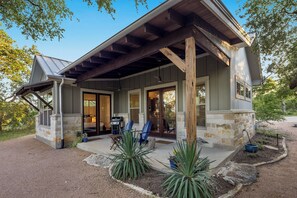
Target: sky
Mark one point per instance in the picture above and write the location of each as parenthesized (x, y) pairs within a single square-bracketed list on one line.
[(93, 27)]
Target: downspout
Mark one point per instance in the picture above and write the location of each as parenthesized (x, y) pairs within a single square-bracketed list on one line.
[(61, 113)]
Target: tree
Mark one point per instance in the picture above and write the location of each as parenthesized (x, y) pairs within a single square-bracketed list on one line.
[(267, 104), (42, 19), (274, 22), (15, 65)]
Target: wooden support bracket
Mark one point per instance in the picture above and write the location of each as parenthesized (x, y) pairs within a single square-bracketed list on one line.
[(174, 58), (32, 105), (42, 100)]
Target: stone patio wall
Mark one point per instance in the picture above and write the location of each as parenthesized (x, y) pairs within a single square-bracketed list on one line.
[(51, 135), (223, 128)]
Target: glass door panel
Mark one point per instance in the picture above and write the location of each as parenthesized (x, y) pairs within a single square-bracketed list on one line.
[(161, 105), (90, 113), (153, 104), (169, 111), (105, 113)]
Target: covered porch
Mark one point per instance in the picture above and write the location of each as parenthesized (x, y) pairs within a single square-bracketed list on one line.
[(163, 149), (177, 34)]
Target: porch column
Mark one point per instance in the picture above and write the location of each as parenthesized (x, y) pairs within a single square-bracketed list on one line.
[(191, 89), (188, 66)]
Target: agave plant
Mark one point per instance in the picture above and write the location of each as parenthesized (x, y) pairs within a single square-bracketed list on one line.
[(130, 162), (191, 177)]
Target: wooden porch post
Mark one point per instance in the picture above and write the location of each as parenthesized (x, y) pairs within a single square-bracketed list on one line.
[(188, 66), (191, 89)]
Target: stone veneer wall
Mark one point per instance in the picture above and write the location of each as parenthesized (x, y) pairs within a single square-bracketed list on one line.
[(223, 128), (51, 135)]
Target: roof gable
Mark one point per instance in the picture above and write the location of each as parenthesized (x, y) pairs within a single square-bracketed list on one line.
[(44, 66)]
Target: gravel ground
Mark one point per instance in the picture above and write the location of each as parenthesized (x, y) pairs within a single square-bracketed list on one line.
[(279, 179), (29, 168)]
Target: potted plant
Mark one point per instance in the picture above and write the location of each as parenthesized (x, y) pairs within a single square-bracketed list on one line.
[(172, 160), (84, 137)]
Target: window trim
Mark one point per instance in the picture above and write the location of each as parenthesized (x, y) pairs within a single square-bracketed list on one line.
[(245, 86), (199, 80), (241, 82), (129, 108)]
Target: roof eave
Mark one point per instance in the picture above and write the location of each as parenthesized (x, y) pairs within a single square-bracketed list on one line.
[(138, 23), (220, 10)]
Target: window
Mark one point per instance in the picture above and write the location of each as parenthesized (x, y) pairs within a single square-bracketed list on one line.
[(200, 104), (243, 90), (134, 106), (248, 93), (44, 117), (239, 90), (202, 100)]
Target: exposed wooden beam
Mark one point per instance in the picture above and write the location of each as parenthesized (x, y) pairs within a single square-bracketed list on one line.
[(148, 28), (191, 124), (139, 53), (32, 105), (209, 47), (97, 60), (80, 69), (42, 100), (108, 55), (89, 64), (176, 17), (119, 48), (134, 40), (86, 65), (73, 72), (199, 22), (174, 58)]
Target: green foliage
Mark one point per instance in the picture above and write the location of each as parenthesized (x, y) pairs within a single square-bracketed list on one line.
[(37, 19), (267, 133), (15, 65), (274, 23), (42, 19), (130, 162), (107, 5), (11, 134), (267, 103), (260, 147), (191, 178), (252, 155)]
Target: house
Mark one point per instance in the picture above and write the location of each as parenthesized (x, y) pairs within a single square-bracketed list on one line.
[(184, 58)]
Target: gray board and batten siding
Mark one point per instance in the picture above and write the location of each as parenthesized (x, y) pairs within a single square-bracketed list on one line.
[(219, 86)]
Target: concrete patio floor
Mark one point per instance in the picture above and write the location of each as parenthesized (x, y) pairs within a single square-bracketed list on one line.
[(161, 152)]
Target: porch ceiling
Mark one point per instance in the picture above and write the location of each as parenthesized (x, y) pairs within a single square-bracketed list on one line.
[(136, 48)]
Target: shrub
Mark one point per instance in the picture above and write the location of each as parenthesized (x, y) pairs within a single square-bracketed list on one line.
[(267, 133), (191, 177), (130, 162)]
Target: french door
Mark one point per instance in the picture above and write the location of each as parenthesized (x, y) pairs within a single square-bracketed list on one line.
[(96, 113), (161, 111)]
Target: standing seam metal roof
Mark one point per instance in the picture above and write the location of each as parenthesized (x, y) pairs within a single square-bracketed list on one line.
[(50, 65)]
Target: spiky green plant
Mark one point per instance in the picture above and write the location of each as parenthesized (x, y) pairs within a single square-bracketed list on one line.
[(191, 177), (130, 162)]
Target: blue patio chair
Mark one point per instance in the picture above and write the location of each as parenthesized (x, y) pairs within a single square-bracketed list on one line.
[(128, 126), (145, 132), (117, 137)]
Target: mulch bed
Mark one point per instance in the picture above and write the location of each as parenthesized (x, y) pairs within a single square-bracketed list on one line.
[(263, 154), (153, 180)]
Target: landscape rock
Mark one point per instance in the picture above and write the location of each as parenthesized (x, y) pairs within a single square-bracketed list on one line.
[(98, 160), (235, 173), (271, 147)]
